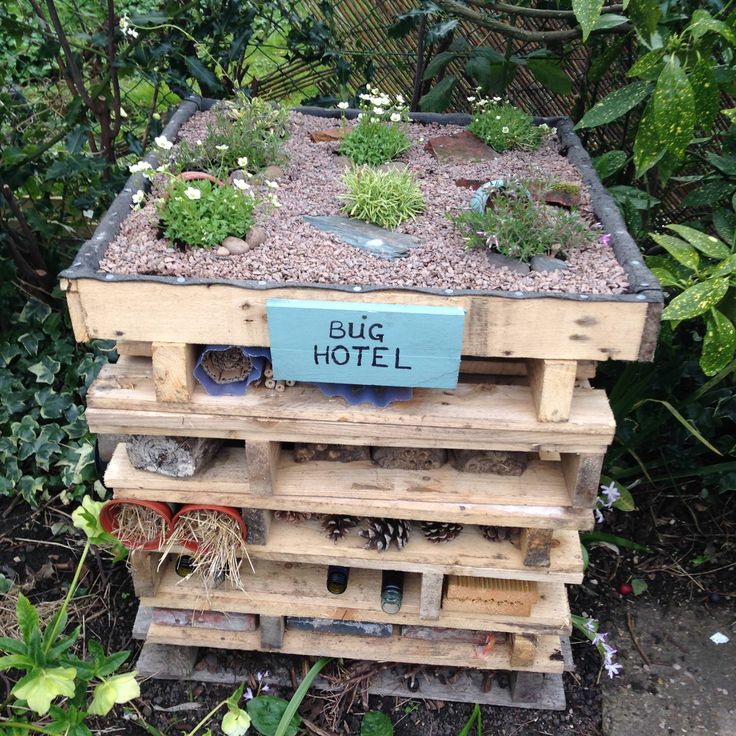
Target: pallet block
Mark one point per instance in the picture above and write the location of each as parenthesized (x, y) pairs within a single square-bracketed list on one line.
[(500, 597), (173, 370)]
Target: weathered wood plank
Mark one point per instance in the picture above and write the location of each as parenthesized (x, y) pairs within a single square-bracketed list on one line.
[(495, 326), (583, 475), (535, 547), (430, 601), (262, 459), (173, 366), (524, 650), (552, 383)]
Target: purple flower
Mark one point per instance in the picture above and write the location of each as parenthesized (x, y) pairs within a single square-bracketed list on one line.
[(605, 239), (590, 624), (612, 669), (248, 694), (599, 639), (611, 493), (598, 515)]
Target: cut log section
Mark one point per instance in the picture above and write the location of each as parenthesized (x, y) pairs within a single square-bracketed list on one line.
[(409, 458), (500, 462), (305, 452), (177, 457), (535, 547)]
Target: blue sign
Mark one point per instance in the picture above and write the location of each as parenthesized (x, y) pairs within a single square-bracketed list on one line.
[(370, 344)]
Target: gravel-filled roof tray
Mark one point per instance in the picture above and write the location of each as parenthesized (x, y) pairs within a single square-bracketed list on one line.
[(128, 283)]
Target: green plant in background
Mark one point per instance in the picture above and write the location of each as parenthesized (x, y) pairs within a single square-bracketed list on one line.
[(504, 127), (517, 226), (384, 198), (378, 137), (245, 130), (201, 215), (58, 691), (703, 269), (45, 445)]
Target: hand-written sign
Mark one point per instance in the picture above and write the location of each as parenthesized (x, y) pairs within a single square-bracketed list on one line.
[(369, 344)]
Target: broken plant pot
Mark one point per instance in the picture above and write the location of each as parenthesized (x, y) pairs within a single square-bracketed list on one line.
[(137, 524), (197, 545)]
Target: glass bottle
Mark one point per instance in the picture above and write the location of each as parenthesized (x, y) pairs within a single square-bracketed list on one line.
[(392, 591), (337, 579)]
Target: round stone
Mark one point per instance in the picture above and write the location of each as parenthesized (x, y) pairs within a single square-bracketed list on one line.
[(256, 236), (235, 246), (273, 173), (222, 251)]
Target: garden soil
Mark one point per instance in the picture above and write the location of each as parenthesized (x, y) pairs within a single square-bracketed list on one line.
[(295, 251)]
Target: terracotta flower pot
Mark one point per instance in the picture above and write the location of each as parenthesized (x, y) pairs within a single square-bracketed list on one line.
[(200, 176), (227, 510), (109, 516)]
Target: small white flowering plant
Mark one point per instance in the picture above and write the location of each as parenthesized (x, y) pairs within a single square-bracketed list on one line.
[(589, 628), (505, 127), (379, 136), (200, 214)]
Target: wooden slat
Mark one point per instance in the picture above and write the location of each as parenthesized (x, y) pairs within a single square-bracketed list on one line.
[(537, 498), (523, 650), (583, 475), (140, 349), (173, 366), (472, 416), (585, 369), (536, 545), (552, 383), (262, 465), (388, 649), (468, 554), (430, 596), (494, 326)]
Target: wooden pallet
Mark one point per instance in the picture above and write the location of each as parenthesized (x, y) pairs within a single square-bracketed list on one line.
[(539, 498), (528, 690), (280, 589)]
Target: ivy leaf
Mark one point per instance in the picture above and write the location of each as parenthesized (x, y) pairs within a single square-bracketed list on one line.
[(648, 146), (674, 107), (438, 64), (681, 251), (438, 98), (719, 343), (587, 13), (608, 163), (696, 300), (375, 723), (613, 106), (707, 244), (45, 369), (706, 92)]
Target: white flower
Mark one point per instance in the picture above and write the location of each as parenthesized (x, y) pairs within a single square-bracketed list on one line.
[(599, 638), (598, 515), (497, 99), (590, 624), (140, 166), (138, 196), (156, 116), (192, 193), (241, 184), (365, 97), (127, 31), (199, 143), (400, 99), (223, 147), (343, 105), (248, 694), (163, 142), (611, 493), (243, 162), (89, 214), (505, 129), (395, 117), (272, 184), (498, 117), (275, 202), (483, 103), (378, 111), (375, 120), (123, 114), (471, 99), (612, 668), (360, 116)]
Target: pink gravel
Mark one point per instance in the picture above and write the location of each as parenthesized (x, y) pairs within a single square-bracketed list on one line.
[(297, 252)]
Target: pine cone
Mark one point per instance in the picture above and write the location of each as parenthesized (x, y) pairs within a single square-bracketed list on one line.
[(293, 517), (337, 526), (381, 532), (502, 534), (441, 531)]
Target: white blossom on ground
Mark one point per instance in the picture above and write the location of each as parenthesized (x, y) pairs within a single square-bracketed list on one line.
[(395, 117), (89, 214), (243, 162), (163, 142), (138, 196), (343, 105), (223, 147), (241, 184), (192, 193)]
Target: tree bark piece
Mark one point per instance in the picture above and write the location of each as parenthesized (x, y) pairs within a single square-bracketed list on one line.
[(305, 452), (258, 523), (500, 462), (535, 547), (178, 457), (409, 458)]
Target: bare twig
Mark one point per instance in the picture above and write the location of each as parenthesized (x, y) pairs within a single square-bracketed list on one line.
[(630, 627)]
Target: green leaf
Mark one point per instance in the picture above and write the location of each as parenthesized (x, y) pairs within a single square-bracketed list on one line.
[(201, 73), (725, 164), (45, 370), (266, 711), (601, 62), (674, 107), (609, 20), (589, 537), (375, 723), (648, 146), (438, 64), (706, 92), (724, 268), (696, 300), (290, 714), (438, 98), (719, 343), (647, 64), (707, 244), (638, 586), (681, 251), (616, 104), (551, 75), (665, 277), (724, 221), (27, 617), (644, 15), (702, 22), (709, 194), (626, 501), (607, 164), (587, 13)]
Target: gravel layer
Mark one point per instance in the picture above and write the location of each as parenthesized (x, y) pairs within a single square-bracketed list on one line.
[(297, 252)]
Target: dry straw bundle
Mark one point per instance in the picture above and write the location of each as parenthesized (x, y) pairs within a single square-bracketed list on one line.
[(136, 525), (216, 544)]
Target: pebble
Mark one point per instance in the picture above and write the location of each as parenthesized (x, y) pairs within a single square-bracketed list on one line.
[(547, 263), (272, 173), (256, 236), (222, 251), (500, 261), (237, 174), (235, 246)]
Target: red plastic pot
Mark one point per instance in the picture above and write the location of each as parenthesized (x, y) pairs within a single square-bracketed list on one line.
[(227, 510), (109, 517)]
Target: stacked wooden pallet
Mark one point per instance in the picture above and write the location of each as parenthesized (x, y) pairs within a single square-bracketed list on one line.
[(549, 502)]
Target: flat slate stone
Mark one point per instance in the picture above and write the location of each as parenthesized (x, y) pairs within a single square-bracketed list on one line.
[(547, 263), (328, 136), (363, 235), (501, 261), (460, 148), (330, 626)]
